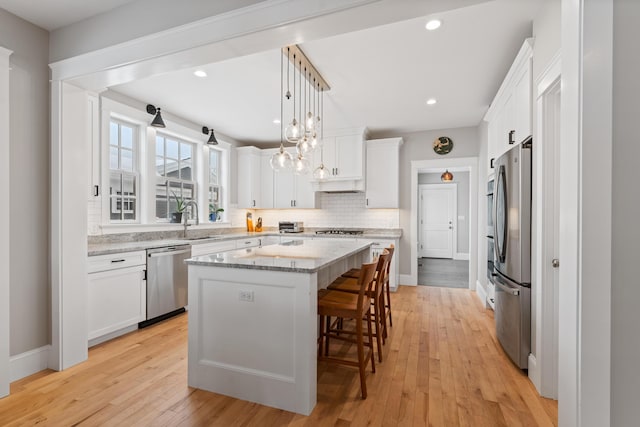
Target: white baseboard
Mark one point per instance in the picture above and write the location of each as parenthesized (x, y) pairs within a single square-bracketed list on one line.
[(28, 363), (112, 335), (405, 280), (461, 256), (482, 294)]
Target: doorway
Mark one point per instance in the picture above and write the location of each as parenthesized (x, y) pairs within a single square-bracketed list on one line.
[(445, 224)]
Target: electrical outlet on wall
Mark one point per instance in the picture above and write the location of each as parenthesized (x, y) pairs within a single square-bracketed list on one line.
[(246, 296)]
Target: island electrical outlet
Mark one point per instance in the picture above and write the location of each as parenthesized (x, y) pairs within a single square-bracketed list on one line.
[(246, 296)]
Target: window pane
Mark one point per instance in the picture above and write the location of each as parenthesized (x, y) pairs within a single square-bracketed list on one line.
[(161, 201), (128, 208), (115, 184), (126, 137), (160, 166), (113, 158), (214, 195), (185, 151), (185, 171), (159, 146), (175, 190), (213, 167), (128, 185), (171, 169), (172, 149), (116, 208), (188, 191), (113, 133), (126, 160)]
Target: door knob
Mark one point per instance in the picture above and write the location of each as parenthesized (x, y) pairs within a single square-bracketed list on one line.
[(555, 263)]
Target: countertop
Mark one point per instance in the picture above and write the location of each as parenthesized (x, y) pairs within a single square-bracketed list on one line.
[(118, 247), (301, 256)]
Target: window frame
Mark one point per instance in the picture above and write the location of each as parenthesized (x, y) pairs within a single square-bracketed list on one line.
[(135, 173)]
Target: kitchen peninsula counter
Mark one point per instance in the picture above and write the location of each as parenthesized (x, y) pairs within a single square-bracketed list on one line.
[(253, 319)]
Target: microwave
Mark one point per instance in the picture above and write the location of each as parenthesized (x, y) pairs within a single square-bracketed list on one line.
[(290, 227)]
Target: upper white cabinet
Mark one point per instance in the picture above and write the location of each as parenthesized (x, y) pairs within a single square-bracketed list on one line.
[(249, 177), (383, 175), (343, 154), (509, 117), (266, 180), (284, 190)]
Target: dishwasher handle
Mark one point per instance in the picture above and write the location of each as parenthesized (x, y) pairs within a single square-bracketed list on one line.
[(169, 253)]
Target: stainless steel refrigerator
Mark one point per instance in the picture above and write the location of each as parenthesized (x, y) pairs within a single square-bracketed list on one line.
[(512, 247)]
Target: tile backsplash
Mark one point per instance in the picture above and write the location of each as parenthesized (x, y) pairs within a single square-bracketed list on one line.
[(340, 210)]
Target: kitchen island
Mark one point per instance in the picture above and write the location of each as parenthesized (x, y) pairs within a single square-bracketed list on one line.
[(253, 319)]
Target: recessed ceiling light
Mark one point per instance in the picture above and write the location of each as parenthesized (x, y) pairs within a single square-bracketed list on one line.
[(200, 73), (431, 101), (433, 24), (276, 121)]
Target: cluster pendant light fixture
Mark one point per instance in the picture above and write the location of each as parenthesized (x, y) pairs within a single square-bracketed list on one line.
[(304, 105)]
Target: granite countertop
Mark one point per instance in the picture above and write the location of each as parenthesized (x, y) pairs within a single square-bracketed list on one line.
[(302, 256), (106, 248)]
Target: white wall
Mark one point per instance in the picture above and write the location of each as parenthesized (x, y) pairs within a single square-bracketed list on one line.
[(483, 166), (28, 203), (546, 31), (419, 146), (625, 340), (462, 181)]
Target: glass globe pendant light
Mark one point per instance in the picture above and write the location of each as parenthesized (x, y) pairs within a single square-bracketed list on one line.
[(301, 165), (282, 160), (321, 172), (309, 125), (292, 131)]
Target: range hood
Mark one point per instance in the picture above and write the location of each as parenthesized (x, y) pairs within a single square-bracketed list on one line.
[(339, 185)]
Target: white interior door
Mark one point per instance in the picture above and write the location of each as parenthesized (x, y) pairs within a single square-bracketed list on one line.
[(436, 222)]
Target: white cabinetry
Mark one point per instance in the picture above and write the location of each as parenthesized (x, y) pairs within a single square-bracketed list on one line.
[(344, 156), (266, 180), (249, 177), (293, 191), (383, 175), (509, 117), (376, 249), (116, 294), (212, 248)]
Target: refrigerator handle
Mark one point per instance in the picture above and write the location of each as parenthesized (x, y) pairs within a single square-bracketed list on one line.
[(507, 289)]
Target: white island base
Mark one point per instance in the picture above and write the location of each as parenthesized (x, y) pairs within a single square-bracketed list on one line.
[(253, 320)]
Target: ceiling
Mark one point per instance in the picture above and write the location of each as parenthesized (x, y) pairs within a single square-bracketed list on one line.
[(52, 14), (380, 77)]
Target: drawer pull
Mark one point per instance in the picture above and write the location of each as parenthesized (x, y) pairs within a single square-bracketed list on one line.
[(113, 261)]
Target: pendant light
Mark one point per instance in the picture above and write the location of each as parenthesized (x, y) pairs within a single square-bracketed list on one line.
[(281, 160), (321, 172), (303, 146), (314, 141), (301, 165), (292, 132), (446, 176)]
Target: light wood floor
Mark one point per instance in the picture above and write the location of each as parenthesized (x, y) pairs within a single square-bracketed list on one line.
[(442, 367)]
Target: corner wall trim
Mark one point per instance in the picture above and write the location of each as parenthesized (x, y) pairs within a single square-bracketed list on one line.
[(28, 363)]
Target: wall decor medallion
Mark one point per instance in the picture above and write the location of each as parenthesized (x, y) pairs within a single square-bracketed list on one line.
[(443, 145)]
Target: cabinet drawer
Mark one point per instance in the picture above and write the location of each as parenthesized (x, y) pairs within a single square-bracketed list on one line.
[(212, 248), (114, 261)]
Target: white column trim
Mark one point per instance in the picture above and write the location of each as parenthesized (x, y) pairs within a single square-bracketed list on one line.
[(5, 220)]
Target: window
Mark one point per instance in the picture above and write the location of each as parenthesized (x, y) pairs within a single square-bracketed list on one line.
[(124, 176), (174, 175), (214, 179)]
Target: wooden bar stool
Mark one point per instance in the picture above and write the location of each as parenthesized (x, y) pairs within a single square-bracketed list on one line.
[(343, 305), (350, 285), (355, 272)]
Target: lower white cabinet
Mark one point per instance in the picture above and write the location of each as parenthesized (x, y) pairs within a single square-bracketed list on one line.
[(376, 249), (212, 248), (116, 293)]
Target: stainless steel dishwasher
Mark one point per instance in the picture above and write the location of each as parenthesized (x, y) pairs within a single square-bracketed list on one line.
[(166, 282)]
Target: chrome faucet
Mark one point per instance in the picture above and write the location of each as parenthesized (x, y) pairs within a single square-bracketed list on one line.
[(193, 205)]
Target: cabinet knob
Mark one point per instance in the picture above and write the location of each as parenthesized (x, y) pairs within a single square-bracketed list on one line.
[(555, 263)]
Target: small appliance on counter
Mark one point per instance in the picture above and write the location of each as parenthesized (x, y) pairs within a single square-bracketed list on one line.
[(290, 227)]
